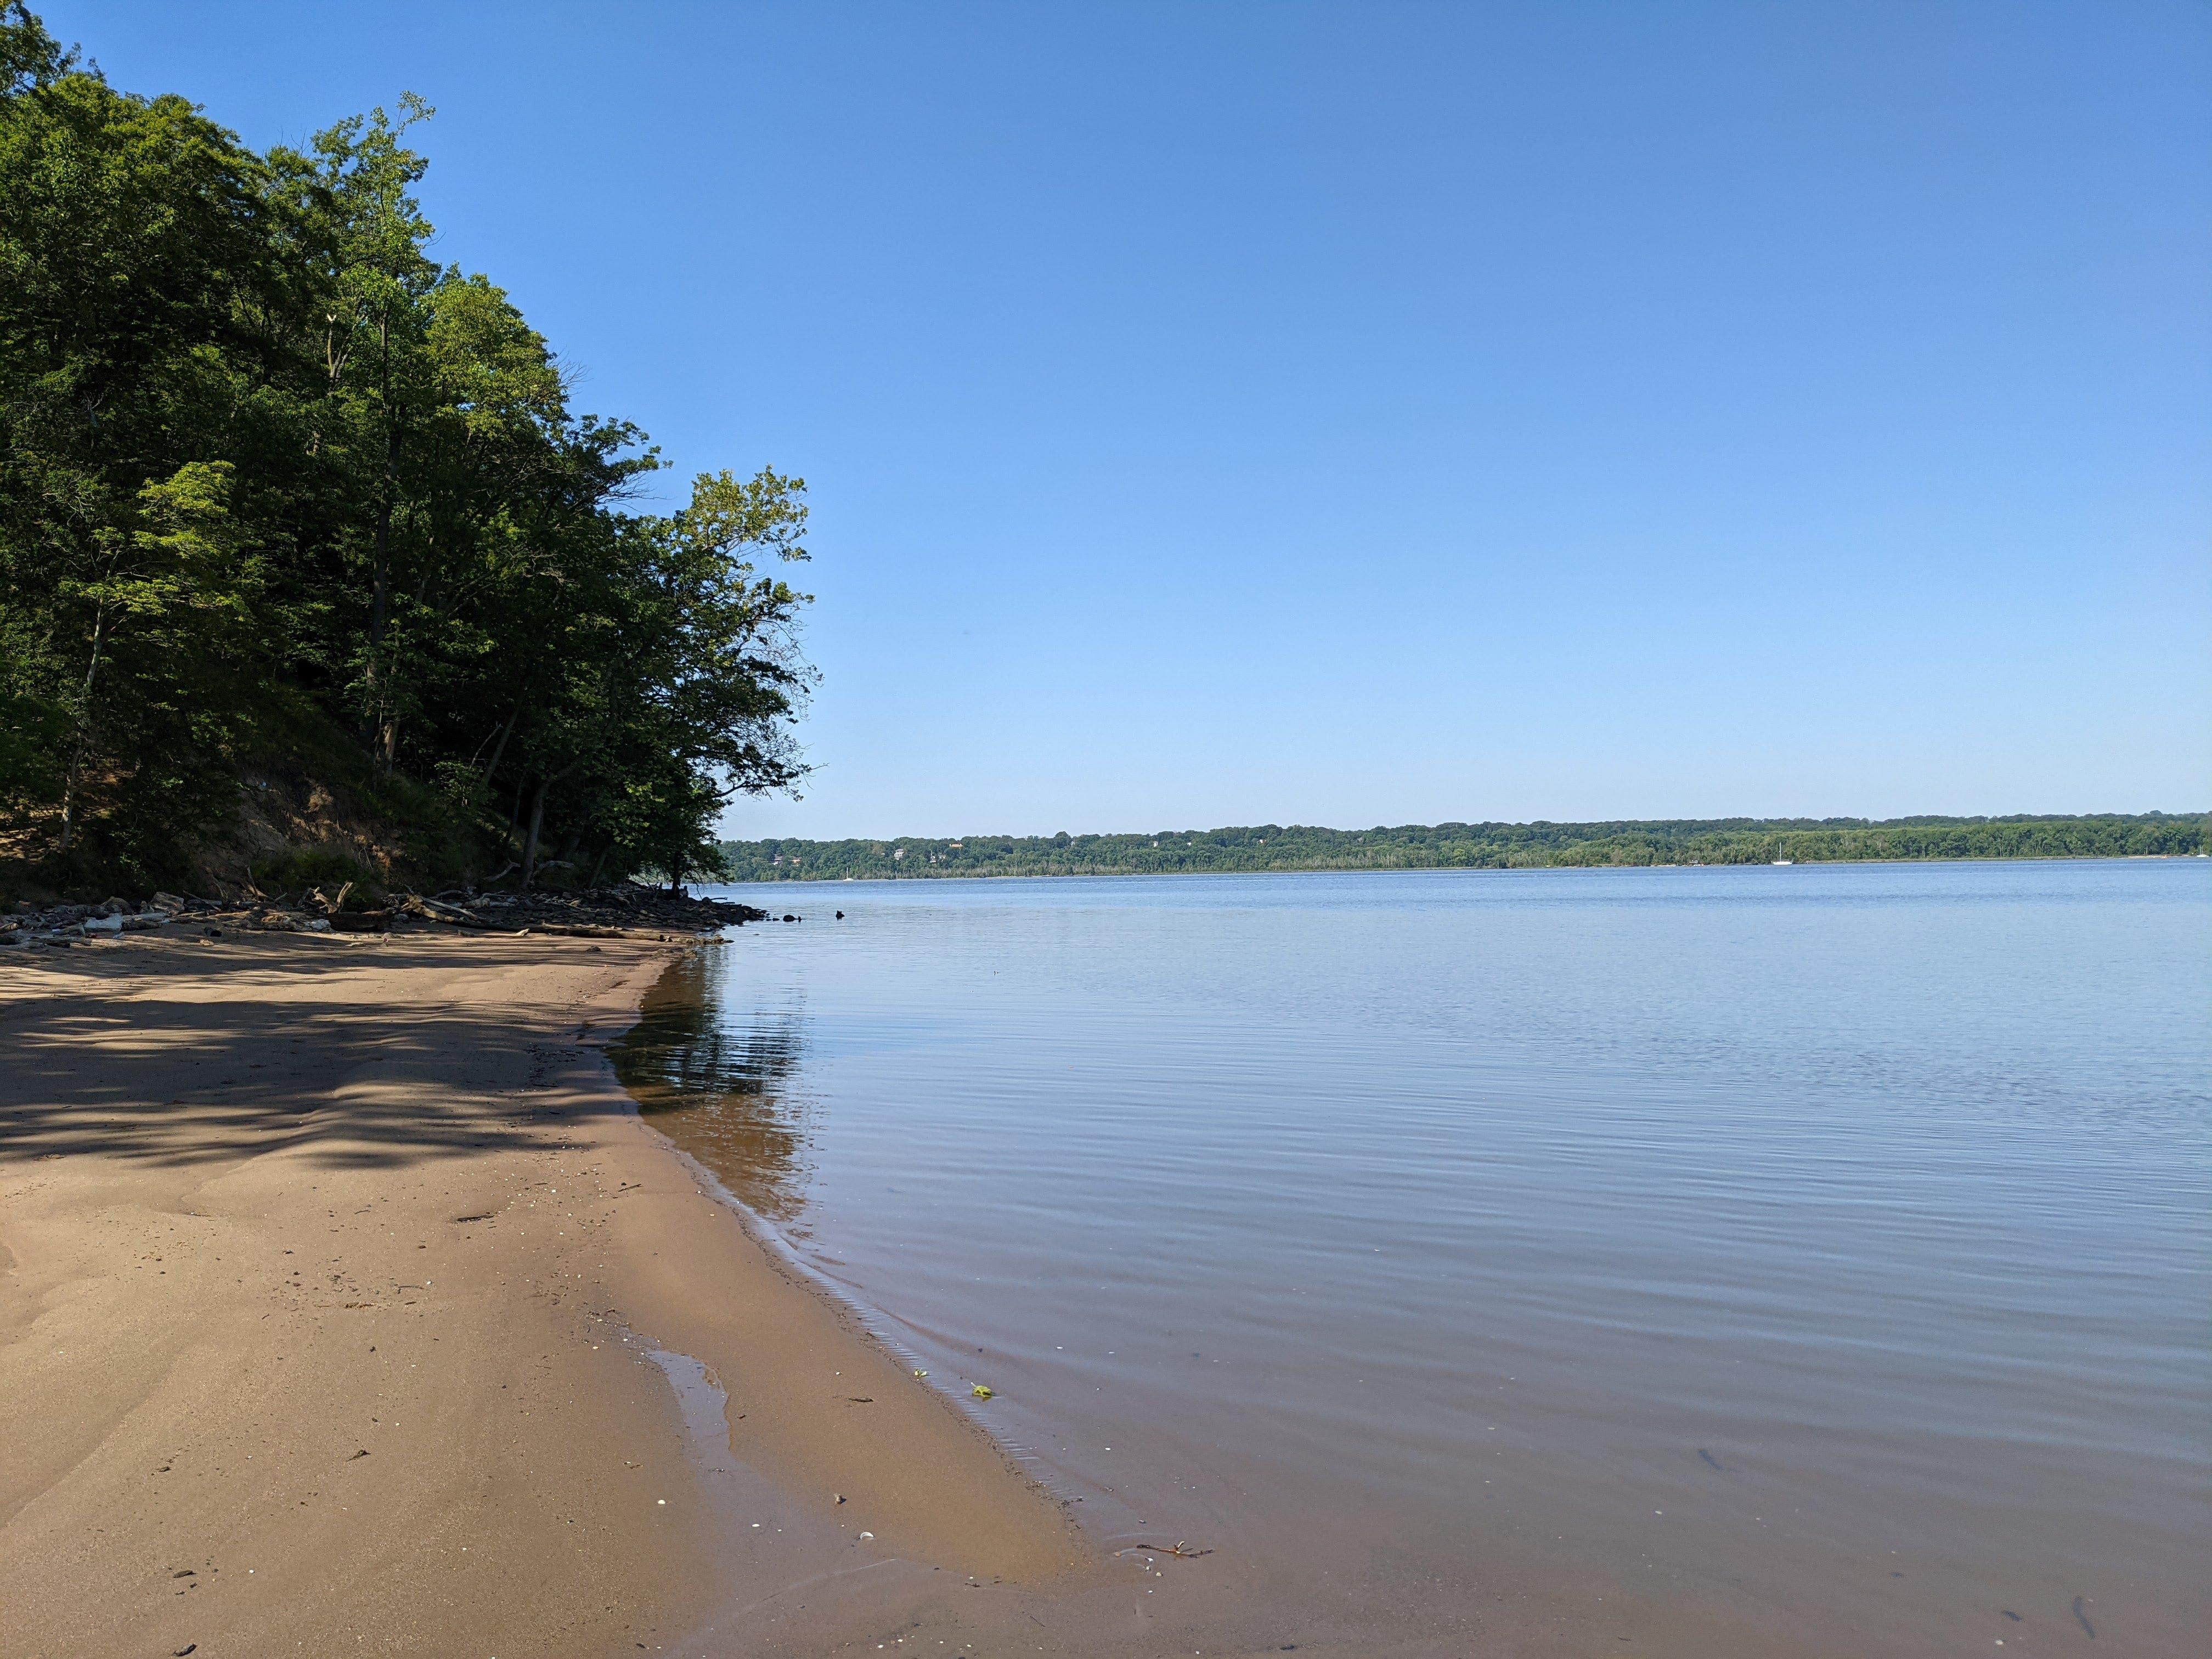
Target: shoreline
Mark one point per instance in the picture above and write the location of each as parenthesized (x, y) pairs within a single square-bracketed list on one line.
[(329, 1274)]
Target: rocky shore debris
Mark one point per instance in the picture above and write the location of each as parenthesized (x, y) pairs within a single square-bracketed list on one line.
[(599, 912), (58, 924)]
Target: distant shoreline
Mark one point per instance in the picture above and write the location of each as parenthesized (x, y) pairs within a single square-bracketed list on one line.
[(1441, 869), (1628, 844)]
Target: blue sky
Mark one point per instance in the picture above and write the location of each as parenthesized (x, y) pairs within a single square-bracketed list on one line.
[(1367, 413)]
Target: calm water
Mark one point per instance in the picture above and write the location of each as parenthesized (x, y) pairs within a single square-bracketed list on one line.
[(1764, 1260)]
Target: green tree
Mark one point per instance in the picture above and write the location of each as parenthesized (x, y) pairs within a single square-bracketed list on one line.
[(138, 269), (277, 489)]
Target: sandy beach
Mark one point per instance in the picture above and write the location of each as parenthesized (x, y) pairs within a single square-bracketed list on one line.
[(330, 1274)]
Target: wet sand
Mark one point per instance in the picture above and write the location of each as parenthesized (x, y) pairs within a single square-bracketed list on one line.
[(332, 1275)]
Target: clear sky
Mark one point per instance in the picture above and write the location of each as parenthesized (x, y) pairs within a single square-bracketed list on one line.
[(1375, 413)]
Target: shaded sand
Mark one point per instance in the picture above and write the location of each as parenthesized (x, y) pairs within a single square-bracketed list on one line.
[(330, 1270)]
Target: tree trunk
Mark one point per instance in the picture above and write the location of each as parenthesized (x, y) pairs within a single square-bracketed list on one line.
[(381, 576), (380, 582), (536, 822), (491, 767), (83, 731)]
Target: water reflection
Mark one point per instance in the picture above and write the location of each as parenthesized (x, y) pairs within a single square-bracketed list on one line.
[(723, 1088)]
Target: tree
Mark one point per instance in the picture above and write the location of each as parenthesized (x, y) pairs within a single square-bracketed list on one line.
[(267, 469), (136, 255)]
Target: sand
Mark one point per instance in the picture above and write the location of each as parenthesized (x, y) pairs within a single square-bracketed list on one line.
[(329, 1274)]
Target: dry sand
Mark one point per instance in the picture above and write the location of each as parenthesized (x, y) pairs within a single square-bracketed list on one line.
[(329, 1270)]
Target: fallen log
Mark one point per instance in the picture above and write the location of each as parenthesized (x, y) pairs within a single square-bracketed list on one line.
[(435, 910)]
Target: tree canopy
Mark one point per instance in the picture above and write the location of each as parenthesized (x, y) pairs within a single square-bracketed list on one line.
[(277, 489)]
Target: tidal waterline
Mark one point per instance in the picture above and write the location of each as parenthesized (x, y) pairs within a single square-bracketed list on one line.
[(1778, 1261)]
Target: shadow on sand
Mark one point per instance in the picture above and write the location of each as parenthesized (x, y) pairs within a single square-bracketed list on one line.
[(213, 1057)]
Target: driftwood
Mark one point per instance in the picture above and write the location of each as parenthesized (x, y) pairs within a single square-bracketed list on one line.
[(432, 910)]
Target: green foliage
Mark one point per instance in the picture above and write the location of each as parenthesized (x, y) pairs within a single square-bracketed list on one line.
[(319, 867), (1473, 846), (32, 730), (261, 454)]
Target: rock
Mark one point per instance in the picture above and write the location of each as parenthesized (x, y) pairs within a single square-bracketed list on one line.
[(286, 921), (103, 925)]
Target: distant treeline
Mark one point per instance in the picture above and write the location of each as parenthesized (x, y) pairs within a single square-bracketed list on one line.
[(1475, 846)]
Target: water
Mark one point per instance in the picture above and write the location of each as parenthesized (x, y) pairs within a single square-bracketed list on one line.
[(1763, 1260)]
